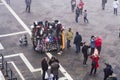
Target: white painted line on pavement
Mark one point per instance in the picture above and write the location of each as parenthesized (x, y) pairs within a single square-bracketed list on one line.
[(17, 17), (1, 47), (12, 34), (28, 63), (17, 70), (28, 30), (1, 76), (61, 69), (25, 60)]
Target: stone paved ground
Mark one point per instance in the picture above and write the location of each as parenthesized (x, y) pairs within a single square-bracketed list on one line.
[(101, 23)]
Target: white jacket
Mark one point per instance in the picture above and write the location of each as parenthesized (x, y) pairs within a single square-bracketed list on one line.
[(115, 4)]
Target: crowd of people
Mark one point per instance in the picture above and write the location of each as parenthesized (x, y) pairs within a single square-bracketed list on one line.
[(95, 45), (78, 8), (47, 36), (53, 66)]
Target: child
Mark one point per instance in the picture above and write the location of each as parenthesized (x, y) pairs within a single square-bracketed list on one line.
[(85, 16), (23, 40)]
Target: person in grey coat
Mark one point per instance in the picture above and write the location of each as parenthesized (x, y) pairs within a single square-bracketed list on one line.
[(54, 70), (28, 3), (103, 4)]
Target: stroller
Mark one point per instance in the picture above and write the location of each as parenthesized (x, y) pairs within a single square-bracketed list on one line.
[(23, 41)]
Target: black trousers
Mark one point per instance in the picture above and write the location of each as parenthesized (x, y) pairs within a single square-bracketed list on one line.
[(55, 77), (105, 77), (43, 75), (92, 51), (85, 59), (85, 20), (99, 49), (93, 69), (28, 8), (115, 11), (103, 6)]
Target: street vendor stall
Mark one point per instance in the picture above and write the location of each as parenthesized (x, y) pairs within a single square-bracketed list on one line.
[(48, 36)]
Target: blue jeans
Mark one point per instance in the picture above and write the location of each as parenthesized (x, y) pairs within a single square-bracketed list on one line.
[(68, 44), (76, 18), (77, 48)]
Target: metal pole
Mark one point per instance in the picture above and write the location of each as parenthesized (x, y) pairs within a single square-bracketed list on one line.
[(11, 74), (6, 66), (2, 61)]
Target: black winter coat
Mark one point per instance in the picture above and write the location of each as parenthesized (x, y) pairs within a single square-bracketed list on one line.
[(77, 39), (85, 50), (44, 65)]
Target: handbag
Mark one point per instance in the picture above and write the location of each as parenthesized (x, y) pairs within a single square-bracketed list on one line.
[(46, 75)]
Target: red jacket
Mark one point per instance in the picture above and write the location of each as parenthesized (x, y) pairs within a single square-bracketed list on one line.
[(96, 59), (98, 42), (80, 5)]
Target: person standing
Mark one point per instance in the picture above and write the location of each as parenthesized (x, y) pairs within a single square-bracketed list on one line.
[(73, 4), (54, 70), (103, 4), (77, 42), (77, 13), (80, 5), (98, 44), (115, 6), (85, 16), (69, 36), (95, 64), (107, 71), (28, 3), (92, 44), (44, 65), (85, 52)]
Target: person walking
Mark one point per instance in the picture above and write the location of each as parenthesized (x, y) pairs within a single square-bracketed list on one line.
[(95, 64), (103, 4), (69, 36), (85, 52), (77, 42), (85, 16), (92, 44), (115, 6), (81, 5), (73, 5), (98, 44), (44, 65), (28, 3), (107, 71), (54, 70), (77, 12)]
